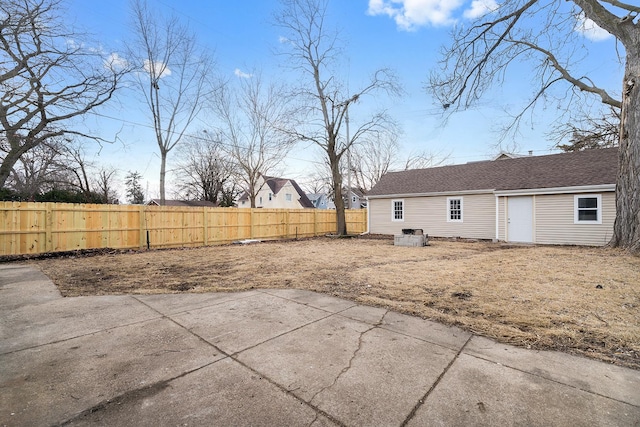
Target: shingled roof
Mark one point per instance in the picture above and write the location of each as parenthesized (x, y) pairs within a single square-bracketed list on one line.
[(590, 167), (190, 203), (276, 184)]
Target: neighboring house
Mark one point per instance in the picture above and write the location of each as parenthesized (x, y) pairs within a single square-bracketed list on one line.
[(319, 200), (279, 193), (566, 198), (358, 198), (191, 203)]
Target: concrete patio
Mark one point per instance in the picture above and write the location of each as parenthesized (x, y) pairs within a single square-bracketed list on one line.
[(277, 358)]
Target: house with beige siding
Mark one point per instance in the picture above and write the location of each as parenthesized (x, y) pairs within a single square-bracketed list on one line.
[(566, 199)]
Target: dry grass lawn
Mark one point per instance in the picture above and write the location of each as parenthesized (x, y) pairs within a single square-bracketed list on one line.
[(578, 300)]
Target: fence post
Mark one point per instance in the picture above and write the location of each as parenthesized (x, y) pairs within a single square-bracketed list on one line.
[(205, 225), (143, 236), (252, 223), (286, 224), (48, 226)]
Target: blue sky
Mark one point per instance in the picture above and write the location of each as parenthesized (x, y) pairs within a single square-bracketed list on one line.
[(401, 34)]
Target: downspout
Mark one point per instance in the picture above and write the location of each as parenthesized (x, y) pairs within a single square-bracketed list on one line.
[(497, 218), (368, 215)]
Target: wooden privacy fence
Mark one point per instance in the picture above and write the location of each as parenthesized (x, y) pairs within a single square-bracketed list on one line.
[(33, 228)]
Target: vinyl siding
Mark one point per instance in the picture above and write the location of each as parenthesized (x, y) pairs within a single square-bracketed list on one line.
[(430, 214), (555, 221), (502, 218), (278, 201)]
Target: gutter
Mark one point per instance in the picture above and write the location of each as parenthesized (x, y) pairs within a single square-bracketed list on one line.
[(521, 192)]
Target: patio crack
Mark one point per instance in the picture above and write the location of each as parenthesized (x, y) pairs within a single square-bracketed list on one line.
[(353, 356)]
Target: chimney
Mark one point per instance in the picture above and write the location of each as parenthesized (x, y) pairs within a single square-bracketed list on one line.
[(530, 153)]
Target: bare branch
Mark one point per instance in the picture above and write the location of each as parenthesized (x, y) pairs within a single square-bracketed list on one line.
[(173, 77), (48, 78), (313, 49)]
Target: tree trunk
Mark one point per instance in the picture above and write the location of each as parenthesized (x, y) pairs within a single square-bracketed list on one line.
[(163, 173), (336, 177), (7, 165), (626, 229)]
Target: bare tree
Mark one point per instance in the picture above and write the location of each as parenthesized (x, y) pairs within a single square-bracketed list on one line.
[(78, 169), (373, 157), (104, 185), (60, 164), (204, 168), (313, 50), (252, 119), (379, 153), (591, 132), (544, 32), (47, 78), (424, 159), (173, 75), (37, 171)]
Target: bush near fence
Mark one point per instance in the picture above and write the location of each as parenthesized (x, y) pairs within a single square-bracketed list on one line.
[(32, 228)]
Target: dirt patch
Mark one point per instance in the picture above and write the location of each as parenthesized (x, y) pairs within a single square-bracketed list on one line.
[(573, 299)]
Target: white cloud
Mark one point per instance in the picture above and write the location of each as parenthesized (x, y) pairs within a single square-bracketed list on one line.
[(72, 44), (238, 72), (115, 62), (411, 14), (590, 29), (157, 67), (283, 39), (480, 8)]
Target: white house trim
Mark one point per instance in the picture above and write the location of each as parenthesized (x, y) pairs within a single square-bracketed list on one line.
[(557, 190), (440, 193)]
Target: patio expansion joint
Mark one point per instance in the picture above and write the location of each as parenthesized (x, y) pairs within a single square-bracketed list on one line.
[(548, 378), (234, 357), (435, 384), (131, 395), (306, 304), (172, 320), (87, 334)]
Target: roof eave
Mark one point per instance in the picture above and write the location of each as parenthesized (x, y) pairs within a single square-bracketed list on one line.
[(429, 194), (519, 192), (557, 190)]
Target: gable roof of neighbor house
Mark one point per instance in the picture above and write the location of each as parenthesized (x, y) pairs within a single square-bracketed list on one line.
[(276, 184), (315, 197), (354, 191), (191, 203), (583, 168)]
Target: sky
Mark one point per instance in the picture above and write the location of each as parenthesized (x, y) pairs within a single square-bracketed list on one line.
[(404, 35)]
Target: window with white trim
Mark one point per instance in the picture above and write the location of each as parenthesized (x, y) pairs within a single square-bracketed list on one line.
[(397, 210), (587, 209), (454, 209), (270, 196), (287, 197)]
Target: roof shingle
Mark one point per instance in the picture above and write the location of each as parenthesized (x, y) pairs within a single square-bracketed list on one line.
[(590, 167)]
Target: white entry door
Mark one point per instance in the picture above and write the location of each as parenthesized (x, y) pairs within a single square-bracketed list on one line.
[(520, 219)]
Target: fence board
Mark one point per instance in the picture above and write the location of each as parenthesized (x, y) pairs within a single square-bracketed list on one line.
[(30, 228)]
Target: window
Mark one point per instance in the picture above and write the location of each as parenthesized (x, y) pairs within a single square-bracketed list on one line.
[(260, 199), (287, 197), (454, 209), (270, 196), (397, 210), (587, 209)]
